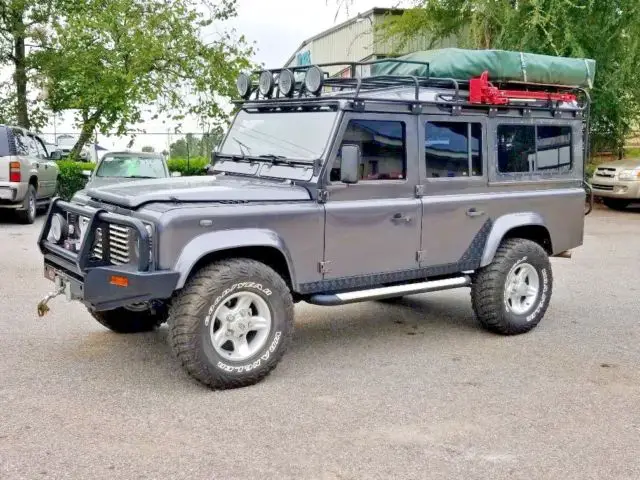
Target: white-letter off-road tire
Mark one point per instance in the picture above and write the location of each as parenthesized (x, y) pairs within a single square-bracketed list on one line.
[(231, 323), (502, 293), (123, 320)]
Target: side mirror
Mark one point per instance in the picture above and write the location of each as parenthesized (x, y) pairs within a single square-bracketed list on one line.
[(176, 174), (86, 173), (350, 163), (55, 155)]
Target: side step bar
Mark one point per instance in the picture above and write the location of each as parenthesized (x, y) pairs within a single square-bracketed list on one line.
[(343, 298)]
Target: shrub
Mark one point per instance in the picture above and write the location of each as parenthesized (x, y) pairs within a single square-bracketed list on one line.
[(194, 166), (70, 178)]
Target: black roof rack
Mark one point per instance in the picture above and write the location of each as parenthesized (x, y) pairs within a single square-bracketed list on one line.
[(355, 88)]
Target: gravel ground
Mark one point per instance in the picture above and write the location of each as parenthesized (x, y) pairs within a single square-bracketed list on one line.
[(414, 390)]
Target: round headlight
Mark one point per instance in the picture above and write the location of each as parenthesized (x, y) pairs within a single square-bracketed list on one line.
[(243, 83), (57, 228), (313, 80), (266, 83), (286, 83)]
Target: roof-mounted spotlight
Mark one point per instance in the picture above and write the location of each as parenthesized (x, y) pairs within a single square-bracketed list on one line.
[(243, 83), (266, 83), (286, 83), (313, 80)]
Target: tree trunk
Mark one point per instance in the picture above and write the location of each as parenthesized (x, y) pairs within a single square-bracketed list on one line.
[(88, 128), (20, 75)]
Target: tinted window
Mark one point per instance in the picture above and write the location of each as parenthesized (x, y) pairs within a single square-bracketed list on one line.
[(382, 144), (523, 149), (453, 149)]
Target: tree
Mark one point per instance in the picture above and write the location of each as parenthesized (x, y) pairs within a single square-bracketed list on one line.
[(110, 61), (608, 32), (23, 24), (148, 149)]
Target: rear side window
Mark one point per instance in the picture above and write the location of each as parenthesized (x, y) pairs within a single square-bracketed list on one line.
[(453, 149), (529, 148), (383, 148), (22, 143)]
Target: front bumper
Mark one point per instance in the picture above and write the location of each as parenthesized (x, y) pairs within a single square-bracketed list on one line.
[(627, 190), (103, 286)]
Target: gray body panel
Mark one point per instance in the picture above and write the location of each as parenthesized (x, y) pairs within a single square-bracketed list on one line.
[(339, 237)]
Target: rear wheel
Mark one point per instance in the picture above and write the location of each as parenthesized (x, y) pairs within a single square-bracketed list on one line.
[(616, 204), (27, 213), (231, 323), (134, 318), (511, 295)]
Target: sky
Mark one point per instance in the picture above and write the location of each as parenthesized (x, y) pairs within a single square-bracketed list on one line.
[(277, 27)]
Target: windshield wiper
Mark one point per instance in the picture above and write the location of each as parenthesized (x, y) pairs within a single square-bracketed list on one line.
[(138, 176), (242, 146)]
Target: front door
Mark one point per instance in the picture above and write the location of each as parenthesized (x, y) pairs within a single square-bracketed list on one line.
[(455, 216), (373, 226)]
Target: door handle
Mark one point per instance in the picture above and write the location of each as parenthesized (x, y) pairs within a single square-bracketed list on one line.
[(399, 218), (472, 212)]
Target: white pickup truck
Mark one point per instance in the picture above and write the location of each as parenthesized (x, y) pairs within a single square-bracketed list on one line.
[(28, 172)]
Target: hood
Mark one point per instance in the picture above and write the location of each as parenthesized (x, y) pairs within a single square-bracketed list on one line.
[(197, 189), (626, 163)]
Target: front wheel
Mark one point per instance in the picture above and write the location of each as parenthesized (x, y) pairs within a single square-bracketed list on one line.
[(511, 295), (231, 323)]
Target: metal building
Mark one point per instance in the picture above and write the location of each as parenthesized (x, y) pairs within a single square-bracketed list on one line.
[(354, 41)]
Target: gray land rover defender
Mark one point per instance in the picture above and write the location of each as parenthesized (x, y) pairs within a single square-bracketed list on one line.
[(331, 191)]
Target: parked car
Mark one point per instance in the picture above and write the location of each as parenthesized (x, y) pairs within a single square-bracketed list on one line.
[(617, 183), (126, 166), (28, 172), (383, 188)]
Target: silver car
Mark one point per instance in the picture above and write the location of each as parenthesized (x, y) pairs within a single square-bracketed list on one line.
[(28, 172), (617, 183)]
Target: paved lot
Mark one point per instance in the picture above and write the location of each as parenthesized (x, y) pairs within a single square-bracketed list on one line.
[(415, 390)]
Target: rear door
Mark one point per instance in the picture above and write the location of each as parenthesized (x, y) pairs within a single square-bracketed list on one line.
[(455, 216)]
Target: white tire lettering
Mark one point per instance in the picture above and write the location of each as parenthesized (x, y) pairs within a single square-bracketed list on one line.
[(252, 366)]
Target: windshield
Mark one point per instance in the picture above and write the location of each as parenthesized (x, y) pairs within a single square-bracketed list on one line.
[(295, 135), (131, 166)]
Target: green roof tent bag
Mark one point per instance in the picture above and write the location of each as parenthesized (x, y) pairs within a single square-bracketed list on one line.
[(502, 65)]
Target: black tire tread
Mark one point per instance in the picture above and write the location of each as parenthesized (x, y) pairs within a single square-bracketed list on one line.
[(23, 215), (487, 288), (185, 317)]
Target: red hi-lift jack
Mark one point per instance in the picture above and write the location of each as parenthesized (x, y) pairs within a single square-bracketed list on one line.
[(482, 91)]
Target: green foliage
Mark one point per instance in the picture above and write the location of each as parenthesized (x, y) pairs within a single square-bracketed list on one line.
[(148, 149), (608, 32), (191, 167), (111, 60), (70, 178)]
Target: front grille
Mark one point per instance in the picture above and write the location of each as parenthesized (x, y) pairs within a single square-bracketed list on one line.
[(602, 187), (605, 172), (119, 244)]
